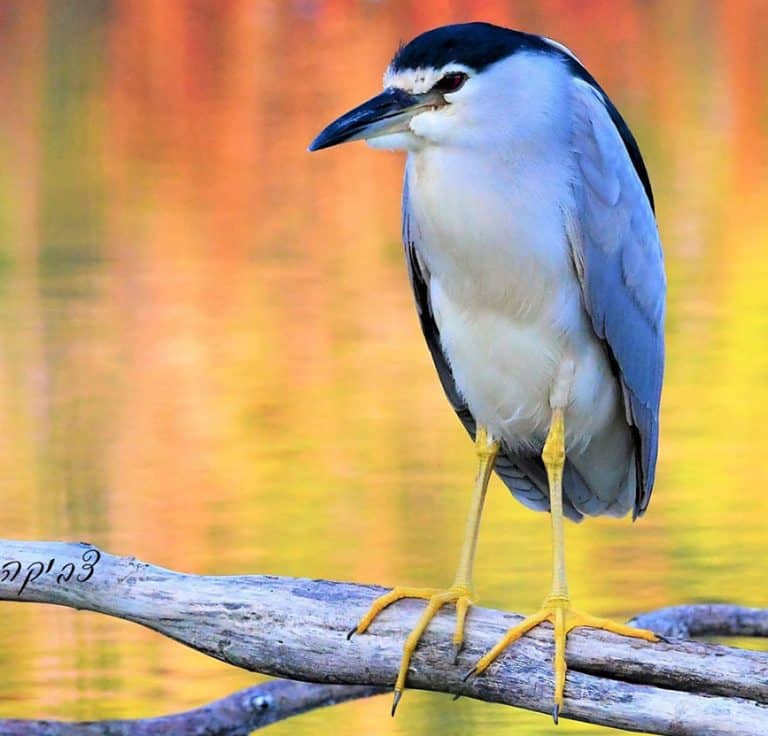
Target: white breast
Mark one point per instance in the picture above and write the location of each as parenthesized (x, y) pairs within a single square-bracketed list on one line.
[(504, 293)]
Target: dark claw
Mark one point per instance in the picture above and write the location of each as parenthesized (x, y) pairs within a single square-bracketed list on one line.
[(456, 697), (396, 700), (469, 674), (456, 652), (351, 633), (662, 638), (556, 713)]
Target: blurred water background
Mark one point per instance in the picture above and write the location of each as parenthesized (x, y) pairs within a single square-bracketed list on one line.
[(209, 356)]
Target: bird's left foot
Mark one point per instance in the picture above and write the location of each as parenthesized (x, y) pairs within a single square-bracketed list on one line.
[(557, 610), (461, 595)]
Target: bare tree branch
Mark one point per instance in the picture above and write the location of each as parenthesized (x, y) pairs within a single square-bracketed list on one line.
[(705, 619), (297, 628), (236, 715)]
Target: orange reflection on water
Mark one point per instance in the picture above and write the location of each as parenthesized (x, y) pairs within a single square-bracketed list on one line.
[(211, 358)]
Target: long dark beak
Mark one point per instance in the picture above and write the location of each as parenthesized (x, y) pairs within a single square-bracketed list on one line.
[(389, 112)]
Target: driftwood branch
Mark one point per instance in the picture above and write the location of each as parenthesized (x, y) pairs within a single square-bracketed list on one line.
[(297, 629), (238, 714), (705, 619)]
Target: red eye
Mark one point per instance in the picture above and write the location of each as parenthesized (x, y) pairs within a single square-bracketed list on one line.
[(450, 82)]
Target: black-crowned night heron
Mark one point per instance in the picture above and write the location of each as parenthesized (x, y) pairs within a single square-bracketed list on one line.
[(535, 261)]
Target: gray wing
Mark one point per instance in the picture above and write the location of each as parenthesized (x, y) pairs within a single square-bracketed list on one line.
[(617, 255), (523, 474)]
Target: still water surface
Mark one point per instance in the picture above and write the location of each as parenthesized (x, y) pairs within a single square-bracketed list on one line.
[(209, 357)]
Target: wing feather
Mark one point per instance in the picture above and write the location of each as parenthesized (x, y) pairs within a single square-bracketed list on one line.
[(617, 255)]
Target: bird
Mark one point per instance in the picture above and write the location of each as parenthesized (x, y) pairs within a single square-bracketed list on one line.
[(533, 252)]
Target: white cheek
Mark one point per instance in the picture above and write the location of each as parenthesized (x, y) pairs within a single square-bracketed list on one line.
[(403, 141), (433, 125)]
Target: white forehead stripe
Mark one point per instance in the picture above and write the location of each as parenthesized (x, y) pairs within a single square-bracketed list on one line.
[(419, 81)]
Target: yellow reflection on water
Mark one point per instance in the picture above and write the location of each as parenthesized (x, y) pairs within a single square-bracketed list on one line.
[(210, 357)]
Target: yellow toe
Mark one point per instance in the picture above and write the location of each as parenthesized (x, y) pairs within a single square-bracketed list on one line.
[(436, 598), (557, 610)]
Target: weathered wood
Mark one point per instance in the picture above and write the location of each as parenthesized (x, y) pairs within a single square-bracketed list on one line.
[(705, 619), (297, 628), (238, 714)]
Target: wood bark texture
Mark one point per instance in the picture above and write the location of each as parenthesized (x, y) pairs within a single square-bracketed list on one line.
[(239, 714), (297, 628)]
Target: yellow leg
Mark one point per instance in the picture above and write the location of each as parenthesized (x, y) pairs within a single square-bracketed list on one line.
[(557, 606), (460, 592)]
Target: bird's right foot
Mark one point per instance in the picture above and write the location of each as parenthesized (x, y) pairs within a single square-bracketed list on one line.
[(461, 595)]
